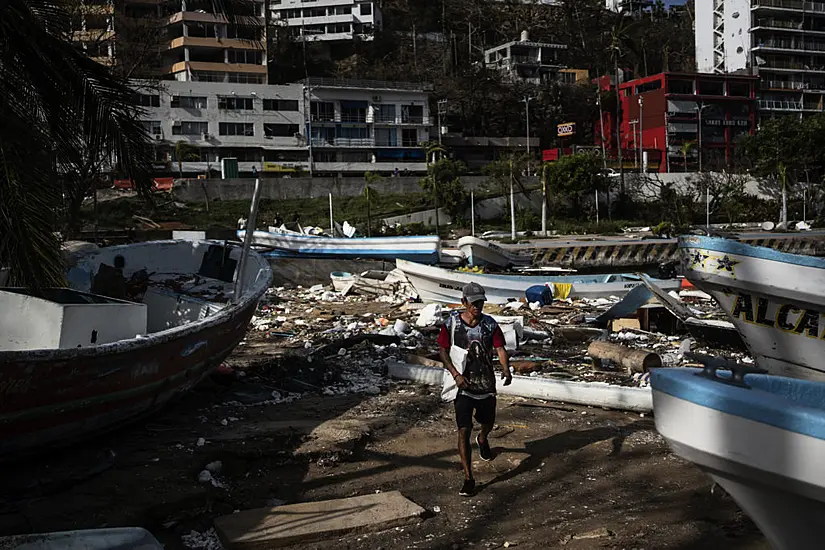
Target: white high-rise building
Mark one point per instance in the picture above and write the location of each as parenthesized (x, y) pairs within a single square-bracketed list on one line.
[(723, 39), (781, 41), (327, 20)]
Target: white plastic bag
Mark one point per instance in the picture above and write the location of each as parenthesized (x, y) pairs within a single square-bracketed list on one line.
[(458, 357)]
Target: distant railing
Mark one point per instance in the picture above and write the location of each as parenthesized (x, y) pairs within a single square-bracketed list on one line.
[(323, 82), (343, 142), (793, 45), (815, 7), (780, 105)]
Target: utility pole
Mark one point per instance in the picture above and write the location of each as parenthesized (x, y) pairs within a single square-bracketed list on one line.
[(526, 102), (601, 124), (641, 136), (442, 110), (700, 108), (633, 124)]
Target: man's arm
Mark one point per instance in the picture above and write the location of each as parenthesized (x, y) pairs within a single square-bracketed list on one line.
[(504, 360)]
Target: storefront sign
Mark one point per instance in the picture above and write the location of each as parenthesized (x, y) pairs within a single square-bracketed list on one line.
[(566, 129)]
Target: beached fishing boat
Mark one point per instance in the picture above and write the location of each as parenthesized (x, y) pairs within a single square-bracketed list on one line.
[(423, 249), (776, 300), (758, 436), (435, 284), (480, 253), (138, 325)]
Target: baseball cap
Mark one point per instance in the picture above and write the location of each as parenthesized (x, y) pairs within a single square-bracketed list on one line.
[(474, 292)]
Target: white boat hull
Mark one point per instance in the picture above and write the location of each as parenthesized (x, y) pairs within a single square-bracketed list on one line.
[(434, 284), (421, 249), (775, 300), (480, 253), (775, 475)]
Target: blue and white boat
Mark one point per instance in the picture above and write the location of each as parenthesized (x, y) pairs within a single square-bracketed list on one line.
[(761, 437), (423, 249), (435, 284), (776, 300)]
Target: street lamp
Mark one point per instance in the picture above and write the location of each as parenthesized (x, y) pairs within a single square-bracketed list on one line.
[(526, 101)]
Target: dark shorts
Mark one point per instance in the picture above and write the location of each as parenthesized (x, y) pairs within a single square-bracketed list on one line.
[(485, 410)]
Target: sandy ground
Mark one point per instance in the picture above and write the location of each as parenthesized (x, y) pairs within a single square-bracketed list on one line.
[(564, 476)]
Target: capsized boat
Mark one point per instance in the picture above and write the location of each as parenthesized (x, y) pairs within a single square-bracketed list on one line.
[(761, 437), (480, 253), (138, 325), (423, 249), (435, 284), (775, 300)]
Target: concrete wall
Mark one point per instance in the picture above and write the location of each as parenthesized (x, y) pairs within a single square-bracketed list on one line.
[(427, 217), (305, 188)]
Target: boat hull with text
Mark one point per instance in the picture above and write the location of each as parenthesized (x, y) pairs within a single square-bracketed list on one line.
[(435, 284), (775, 300)]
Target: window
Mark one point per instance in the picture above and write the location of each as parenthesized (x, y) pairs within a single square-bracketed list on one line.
[(246, 78), (152, 127), (145, 100), (711, 87), (684, 87), (412, 114), (280, 104), (324, 156), (250, 57), (649, 86), (339, 28), (384, 113), (739, 89), (190, 128), (409, 137), (356, 156), (280, 130), (366, 9), (208, 76), (323, 136), (386, 137), (235, 103), (352, 113), (236, 129), (189, 102), (322, 111)]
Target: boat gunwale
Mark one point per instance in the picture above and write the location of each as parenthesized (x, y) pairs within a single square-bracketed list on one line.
[(231, 309), (770, 407), (728, 246), (435, 239)]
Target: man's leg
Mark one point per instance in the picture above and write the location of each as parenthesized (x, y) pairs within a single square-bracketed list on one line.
[(464, 423), (486, 416)]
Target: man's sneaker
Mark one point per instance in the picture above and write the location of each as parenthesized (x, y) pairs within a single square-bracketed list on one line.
[(468, 488), (484, 449)]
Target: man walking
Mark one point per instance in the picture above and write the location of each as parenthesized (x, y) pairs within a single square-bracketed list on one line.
[(479, 334)]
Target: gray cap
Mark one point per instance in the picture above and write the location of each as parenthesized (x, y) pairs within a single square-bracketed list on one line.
[(474, 292)]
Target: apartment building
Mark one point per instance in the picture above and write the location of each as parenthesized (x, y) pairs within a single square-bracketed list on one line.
[(355, 126), (781, 41), (195, 43), (531, 62), (358, 126), (663, 112), (327, 20)]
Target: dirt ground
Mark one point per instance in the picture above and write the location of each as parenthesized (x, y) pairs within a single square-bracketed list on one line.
[(564, 476)]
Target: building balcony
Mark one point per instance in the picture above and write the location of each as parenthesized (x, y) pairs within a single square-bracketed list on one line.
[(774, 105), (324, 82), (222, 43), (217, 67), (93, 35), (791, 46), (358, 119), (793, 66), (343, 142), (361, 167), (790, 5), (198, 17)]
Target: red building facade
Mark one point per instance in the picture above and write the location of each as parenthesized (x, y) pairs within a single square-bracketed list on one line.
[(661, 113)]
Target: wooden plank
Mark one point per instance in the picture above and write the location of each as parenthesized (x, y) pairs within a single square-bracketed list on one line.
[(313, 521)]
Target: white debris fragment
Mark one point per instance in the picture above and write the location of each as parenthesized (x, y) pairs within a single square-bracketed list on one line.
[(205, 476), (342, 352), (515, 306), (401, 327), (214, 467), (201, 442), (429, 316)]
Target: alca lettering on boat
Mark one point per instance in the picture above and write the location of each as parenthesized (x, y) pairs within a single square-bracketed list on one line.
[(450, 287), (760, 311)]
